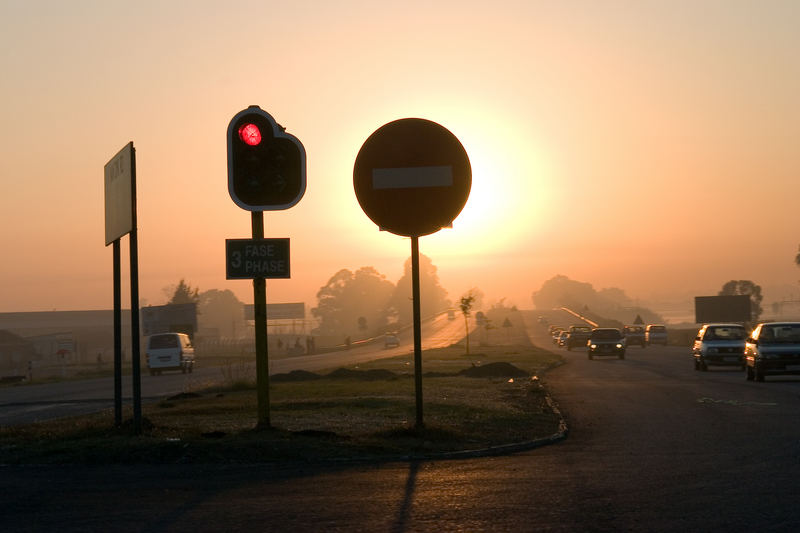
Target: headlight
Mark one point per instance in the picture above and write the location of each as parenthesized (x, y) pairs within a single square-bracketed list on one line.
[(593, 346), (619, 345)]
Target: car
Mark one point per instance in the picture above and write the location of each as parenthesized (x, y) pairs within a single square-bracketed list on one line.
[(773, 348), (634, 335), (578, 336), (555, 332), (390, 341), (169, 351), (655, 334), (563, 335), (606, 341), (719, 345)]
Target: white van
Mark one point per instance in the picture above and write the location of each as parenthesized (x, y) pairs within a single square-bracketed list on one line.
[(169, 351)]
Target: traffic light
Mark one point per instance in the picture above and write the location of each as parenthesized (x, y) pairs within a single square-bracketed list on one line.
[(266, 165)]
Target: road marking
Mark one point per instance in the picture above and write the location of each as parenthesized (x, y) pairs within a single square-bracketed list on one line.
[(735, 402)]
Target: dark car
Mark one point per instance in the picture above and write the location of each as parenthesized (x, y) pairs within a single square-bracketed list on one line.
[(578, 336), (634, 335), (719, 345), (773, 349), (606, 341)]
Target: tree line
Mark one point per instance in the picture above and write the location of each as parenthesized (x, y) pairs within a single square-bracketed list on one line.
[(351, 304)]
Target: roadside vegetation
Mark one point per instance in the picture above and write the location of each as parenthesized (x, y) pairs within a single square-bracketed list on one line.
[(491, 397)]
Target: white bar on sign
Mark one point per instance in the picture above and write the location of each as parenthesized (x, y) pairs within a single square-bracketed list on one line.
[(410, 177)]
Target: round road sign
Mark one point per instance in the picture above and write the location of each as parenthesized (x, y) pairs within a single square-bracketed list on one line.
[(412, 177)]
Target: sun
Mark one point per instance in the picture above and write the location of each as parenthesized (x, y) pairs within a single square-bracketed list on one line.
[(508, 199)]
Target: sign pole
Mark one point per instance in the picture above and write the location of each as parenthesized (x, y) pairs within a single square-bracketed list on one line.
[(262, 349), (117, 335), (417, 327), (135, 341)]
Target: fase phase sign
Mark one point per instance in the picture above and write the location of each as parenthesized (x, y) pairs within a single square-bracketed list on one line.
[(257, 258)]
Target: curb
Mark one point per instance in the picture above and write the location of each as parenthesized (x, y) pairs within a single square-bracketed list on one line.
[(503, 449)]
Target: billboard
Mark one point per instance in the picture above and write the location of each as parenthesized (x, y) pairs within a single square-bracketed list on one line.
[(290, 311), (734, 308), (179, 318)]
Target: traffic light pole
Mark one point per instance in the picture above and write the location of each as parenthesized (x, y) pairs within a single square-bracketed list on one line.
[(262, 349), (417, 328)]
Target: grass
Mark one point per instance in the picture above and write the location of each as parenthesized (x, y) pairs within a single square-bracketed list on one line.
[(353, 416)]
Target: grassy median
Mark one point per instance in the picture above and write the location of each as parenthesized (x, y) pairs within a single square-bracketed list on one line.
[(487, 399)]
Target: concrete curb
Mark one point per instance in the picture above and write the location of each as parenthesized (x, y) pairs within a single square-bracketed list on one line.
[(502, 449)]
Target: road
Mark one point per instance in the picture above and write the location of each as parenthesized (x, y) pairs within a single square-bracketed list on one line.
[(653, 446), (34, 403)]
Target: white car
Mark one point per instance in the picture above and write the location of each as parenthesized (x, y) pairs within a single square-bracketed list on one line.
[(169, 351), (391, 341), (719, 345), (772, 348)]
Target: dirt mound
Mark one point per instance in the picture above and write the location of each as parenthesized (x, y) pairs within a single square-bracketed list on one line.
[(294, 375), (363, 375), (494, 370)]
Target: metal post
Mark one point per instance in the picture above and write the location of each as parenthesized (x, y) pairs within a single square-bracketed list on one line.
[(417, 328), (135, 342), (117, 336), (262, 349)]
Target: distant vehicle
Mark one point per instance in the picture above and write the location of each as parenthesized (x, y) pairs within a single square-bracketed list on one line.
[(578, 336), (553, 329), (563, 335), (719, 345), (634, 335), (390, 341), (557, 335), (169, 351), (606, 341), (772, 349), (655, 334)]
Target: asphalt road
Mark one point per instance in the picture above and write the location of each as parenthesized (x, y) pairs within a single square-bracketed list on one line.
[(653, 446), (35, 403)]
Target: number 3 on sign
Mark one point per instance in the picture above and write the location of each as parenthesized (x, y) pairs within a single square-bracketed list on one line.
[(236, 259)]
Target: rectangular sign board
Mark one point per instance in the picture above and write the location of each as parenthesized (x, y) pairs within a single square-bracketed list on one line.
[(288, 311), (734, 308), (257, 258), (169, 318), (118, 175)]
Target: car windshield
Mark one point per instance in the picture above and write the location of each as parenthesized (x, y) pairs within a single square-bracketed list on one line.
[(780, 334), (606, 334), (726, 333)]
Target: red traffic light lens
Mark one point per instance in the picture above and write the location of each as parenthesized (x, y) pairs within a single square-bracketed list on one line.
[(250, 134)]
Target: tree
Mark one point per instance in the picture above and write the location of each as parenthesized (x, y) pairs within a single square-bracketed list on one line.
[(466, 308), (433, 298), (183, 294), (352, 302), (748, 288), (221, 311), (797, 257)]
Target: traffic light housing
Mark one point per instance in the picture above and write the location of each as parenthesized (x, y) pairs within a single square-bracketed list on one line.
[(266, 165)]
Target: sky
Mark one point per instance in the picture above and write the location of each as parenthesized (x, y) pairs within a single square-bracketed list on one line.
[(645, 145)]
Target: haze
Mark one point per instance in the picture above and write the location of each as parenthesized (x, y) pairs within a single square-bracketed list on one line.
[(649, 146)]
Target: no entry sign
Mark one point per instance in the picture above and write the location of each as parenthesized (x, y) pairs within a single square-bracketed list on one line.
[(412, 177)]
